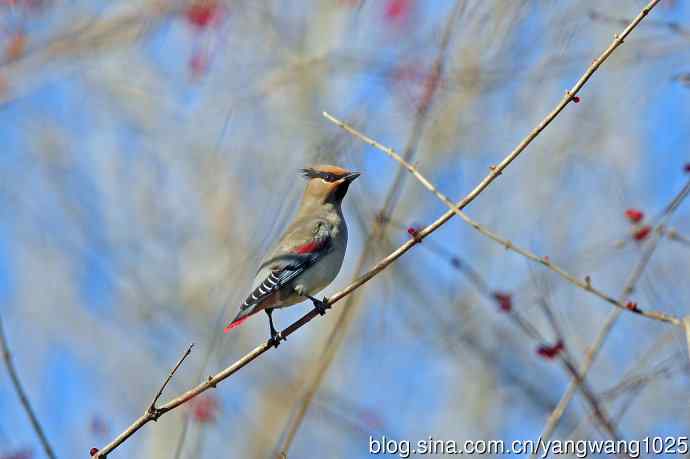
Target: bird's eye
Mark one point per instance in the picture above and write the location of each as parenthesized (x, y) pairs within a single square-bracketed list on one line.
[(329, 177)]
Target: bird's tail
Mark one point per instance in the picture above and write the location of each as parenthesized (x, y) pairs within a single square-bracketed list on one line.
[(239, 320)]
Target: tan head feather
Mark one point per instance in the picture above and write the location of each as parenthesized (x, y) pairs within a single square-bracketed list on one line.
[(327, 183)]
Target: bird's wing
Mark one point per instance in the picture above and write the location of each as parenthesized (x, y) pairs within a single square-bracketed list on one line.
[(301, 247)]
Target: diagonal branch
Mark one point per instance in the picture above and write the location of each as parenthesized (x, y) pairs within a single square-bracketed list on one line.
[(622, 304), (23, 399), (585, 284), (671, 26), (569, 364), (152, 412), (525, 326), (611, 320), (393, 256), (152, 407)]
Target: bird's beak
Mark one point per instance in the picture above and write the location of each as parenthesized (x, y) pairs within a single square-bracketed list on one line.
[(351, 177)]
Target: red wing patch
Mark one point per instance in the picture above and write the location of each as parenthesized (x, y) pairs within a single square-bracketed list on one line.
[(309, 247)]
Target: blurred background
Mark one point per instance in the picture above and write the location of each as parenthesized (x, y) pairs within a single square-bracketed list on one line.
[(150, 156)]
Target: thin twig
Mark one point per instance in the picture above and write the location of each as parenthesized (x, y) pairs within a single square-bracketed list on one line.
[(674, 235), (455, 261), (498, 169), (152, 412), (23, 399), (671, 233), (585, 284), (208, 384), (671, 26), (664, 368), (569, 364), (487, 357), (152, 407), (633, 386), (629, 287), (393, 256), (597, 409)]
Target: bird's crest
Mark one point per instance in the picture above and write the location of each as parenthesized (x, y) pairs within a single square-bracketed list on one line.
[(327, 173)]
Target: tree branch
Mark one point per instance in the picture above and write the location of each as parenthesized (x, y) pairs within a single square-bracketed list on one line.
[(611, 320), (152, 407), (393, 256), (585, 284), (152, 412), (23, 399), (569, 364), (524, 325)]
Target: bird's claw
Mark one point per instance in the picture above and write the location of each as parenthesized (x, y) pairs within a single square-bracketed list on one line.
[(321, 306), (275, 339)]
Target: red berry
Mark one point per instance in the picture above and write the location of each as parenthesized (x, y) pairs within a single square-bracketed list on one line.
[(397, 10), (576, 99), (642, 233), (93, 451), (504, 300), (686, 168), (201, 14), (414, 232), (204, 408), (632, 306), (634, 215), (549, 352)]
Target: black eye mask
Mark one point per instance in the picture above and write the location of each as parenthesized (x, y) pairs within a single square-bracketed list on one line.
[(327, 176)]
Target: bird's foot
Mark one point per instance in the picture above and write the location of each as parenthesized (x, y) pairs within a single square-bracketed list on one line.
[(321, 305), (276, 338)]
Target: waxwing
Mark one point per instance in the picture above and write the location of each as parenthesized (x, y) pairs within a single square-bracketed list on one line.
[(308, 255)]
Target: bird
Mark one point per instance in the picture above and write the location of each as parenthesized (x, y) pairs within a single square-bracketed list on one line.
[(308, 255)]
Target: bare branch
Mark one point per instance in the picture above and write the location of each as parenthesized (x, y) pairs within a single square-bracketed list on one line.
[(611, 320), (23, 399), (585, 284), (393, 256), (152, 407), (569, 364), (671, 26)]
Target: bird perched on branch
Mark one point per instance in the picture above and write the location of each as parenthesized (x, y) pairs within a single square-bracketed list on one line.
[(308, 256)]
